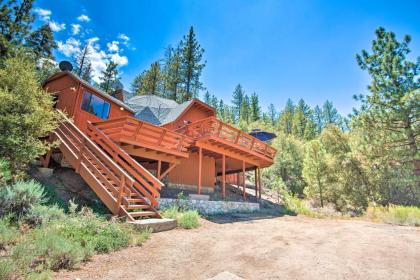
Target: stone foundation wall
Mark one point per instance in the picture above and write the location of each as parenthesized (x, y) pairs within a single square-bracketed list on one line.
[(206, 207)]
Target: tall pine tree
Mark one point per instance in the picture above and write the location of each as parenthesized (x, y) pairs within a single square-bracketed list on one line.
[(110, 77), (42, 43), (255, 107), (238, 96), (191, 66)]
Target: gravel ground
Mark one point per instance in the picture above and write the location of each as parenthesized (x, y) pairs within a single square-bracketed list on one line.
[(266, 248)]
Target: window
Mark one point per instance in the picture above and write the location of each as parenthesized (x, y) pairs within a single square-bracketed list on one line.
[(95, 105)]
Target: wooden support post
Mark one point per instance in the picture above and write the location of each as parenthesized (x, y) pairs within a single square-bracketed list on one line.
[(237, 180), (243, 179), (159, 168), (256, 182), (224, 176), (200, 163), (259, 182)]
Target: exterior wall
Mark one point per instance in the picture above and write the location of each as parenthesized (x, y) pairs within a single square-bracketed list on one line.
[(66, 88), (70, 97), (81, 116), (193, 114), (186, 173)]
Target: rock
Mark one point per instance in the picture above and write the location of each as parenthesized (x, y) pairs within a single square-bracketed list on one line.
[(156, 225), (199, 196)]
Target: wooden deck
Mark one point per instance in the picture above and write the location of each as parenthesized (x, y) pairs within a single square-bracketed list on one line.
[(211, 131), (142, 138)]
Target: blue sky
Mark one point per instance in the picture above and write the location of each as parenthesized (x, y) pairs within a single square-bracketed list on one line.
[(279, 49)]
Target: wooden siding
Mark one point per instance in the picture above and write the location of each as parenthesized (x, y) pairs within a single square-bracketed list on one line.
[(195, 113), (186, 172), (70, 95)]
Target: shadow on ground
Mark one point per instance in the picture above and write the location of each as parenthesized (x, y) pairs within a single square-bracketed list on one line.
[(269, 210)]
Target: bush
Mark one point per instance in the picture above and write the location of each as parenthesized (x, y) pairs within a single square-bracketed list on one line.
[(395, 214), (171, 212), (20, 197), (46, 249), (8, 234), (26, 113), (41, 214), (186, 219), (189, 219), (5, 174), (7, 268)]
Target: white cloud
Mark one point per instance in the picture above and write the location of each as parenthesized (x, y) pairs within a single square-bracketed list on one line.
[(44, 14), (83, 18), (70, 47), (75, 28), (55, 26), (124, 37), (113, 46), (97, 57), (120, 60)]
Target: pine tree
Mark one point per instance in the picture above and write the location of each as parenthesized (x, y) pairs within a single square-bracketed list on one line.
[(272, 114), (389, 116), (318, 119), (150, 81), (238, 96), (110, 77), (255, 108), (42, 43), (221, 110), (245, 109), (191, 65), (214, 102), (137, 83), (314, 170), (330, 114), (172, 73), (207, 97), (15, 24), (286, 117), (82, 63), (301, 116)]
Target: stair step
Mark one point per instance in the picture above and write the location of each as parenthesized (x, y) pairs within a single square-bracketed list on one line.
[(135, 200), (143, 214), (138, 206)]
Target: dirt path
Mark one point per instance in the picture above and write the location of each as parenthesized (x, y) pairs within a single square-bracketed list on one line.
[(277, 248)]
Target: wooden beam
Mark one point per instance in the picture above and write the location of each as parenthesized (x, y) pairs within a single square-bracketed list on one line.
[(224, 176), (171, 166), (230, 154), (243, 178), (256, 182), (159, 167), (142, 152), (259, 181), (200, 163)]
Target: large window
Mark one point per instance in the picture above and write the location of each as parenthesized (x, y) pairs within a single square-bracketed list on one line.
[(95, 105)]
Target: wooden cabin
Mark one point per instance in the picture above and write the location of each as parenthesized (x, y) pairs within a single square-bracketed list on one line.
[(125, 150)]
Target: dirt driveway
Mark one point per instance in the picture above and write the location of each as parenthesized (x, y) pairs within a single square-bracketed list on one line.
[(277, 248)]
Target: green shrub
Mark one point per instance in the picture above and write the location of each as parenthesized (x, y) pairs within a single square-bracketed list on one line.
[(5, 174), (20, 197), (189, 219), (299, 206), (395, 214), (8, 234), (42, 214), (171, 212), (46, 249)]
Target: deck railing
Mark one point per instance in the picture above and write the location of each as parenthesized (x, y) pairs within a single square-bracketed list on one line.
[(212, 127), (134, 131)]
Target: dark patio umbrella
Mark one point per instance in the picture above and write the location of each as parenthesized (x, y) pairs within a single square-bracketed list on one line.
[(262, 135)]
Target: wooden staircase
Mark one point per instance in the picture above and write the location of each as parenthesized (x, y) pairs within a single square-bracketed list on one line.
[(123, 185)]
